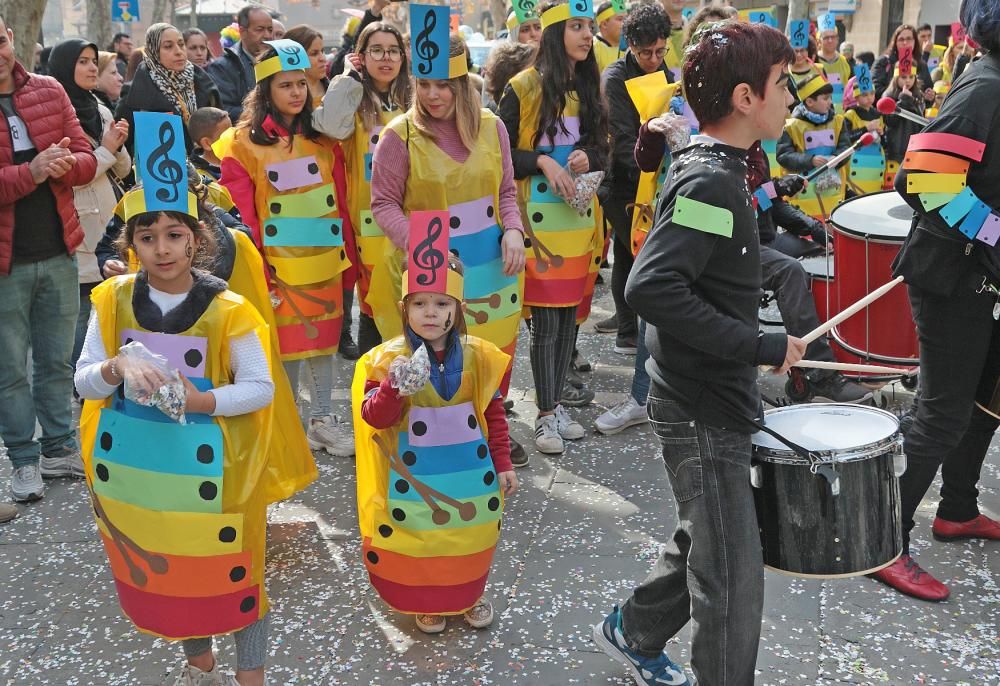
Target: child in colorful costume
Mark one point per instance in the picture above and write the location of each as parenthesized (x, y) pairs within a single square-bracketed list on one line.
[(181, 508), (867, 170), (565, 246), (432, 447), (835, 66), (279, 171), (608, 43), (905, 89)]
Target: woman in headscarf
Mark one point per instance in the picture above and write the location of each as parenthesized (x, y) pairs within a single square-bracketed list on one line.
[(167, 81), (74, 64)]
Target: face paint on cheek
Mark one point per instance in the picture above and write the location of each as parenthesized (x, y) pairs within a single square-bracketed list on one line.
[(447, 323), (188, 251)]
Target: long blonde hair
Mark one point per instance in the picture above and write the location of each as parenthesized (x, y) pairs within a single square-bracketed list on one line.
[(468, 110)]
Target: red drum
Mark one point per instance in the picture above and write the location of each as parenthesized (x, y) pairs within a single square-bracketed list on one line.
[(822, 284), (868, 233)]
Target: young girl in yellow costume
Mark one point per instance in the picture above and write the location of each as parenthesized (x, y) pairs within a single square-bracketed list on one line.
[(279, 171), (181, 509), (374, 89), (556, 117), (431, 434), (447, 153)]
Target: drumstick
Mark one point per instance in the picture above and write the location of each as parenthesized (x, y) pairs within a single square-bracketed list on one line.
[(866, 139), (850, 367), (851, 311), (888, 106)]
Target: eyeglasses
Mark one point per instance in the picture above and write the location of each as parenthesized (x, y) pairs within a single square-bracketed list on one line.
[(379, 53), (648, 54)]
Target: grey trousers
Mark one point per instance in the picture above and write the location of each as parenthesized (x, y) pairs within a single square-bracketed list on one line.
[(251, 645)]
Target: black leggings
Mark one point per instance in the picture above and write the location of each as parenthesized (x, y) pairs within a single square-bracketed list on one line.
[(553, 336)]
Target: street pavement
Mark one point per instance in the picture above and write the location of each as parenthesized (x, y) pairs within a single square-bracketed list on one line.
[(582, 531)]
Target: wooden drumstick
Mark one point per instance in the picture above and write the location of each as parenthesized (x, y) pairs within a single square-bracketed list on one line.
[(851, 311), (851, 367)]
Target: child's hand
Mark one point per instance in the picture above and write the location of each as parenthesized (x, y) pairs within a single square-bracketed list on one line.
[(819, 160), (874, 125), (508, 482), (198, 402)]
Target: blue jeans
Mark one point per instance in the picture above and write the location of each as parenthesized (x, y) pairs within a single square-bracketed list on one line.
[(39, 303), (640, 377), (711, 571), (321, 386)]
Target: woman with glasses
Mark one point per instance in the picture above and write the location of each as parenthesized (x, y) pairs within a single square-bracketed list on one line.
[(374, 89)]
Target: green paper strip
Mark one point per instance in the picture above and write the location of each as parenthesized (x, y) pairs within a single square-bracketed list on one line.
[(558, 216), (318, 202), (701, 216), (932, 201), (156, 490), (369, 227)]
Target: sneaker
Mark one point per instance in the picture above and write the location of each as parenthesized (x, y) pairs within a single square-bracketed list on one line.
[(647, 671), (625, 346), (192, 676), (480, 615), (26, 484), (576, 397), (431, 624), (547, 438), (568, 427), (348, 349), (609, 325), (518, 457), (65, 462), (8, 512), (907, 577), (579, 363), (620, 417), (836, 388), (331, 434)]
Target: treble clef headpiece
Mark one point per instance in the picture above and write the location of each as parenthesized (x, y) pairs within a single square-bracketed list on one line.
[(615, 8), (563, 11), (290, 57), (428, 269), (160, 168), (862, 79), (430, 40)]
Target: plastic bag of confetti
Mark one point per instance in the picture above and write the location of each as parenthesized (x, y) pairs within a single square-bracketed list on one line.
[(586, 188), (409, 374), (827, 182), (150, 381)]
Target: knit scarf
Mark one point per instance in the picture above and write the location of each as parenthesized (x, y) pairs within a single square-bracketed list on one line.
[(177, 86), (802, 112)]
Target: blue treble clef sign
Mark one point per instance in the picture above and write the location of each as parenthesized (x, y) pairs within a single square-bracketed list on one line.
[(291, 54), (161, 161), (429, 27), (798, 33)]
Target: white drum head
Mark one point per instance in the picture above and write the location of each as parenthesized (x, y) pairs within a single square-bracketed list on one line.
[(883, 216), (818, 267), (827, 427)]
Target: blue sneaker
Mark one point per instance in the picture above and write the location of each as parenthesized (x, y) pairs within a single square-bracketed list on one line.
[(647, 671)]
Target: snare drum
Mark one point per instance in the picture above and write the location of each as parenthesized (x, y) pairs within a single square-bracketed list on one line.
[(840, 517), (868, 233), (821, 282)]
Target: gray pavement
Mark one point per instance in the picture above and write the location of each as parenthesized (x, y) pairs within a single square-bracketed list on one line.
[(583, 530)]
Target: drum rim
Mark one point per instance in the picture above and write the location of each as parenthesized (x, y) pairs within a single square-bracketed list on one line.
[(860, 233), (866, 451)]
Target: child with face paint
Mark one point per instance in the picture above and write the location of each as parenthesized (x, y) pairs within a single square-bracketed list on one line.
[(433, 456)]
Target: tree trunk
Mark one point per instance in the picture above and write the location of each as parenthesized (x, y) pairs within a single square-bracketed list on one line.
[(194, 14), (24, 18), (798, 9), (498, 8), (163, 10), (99, 22)]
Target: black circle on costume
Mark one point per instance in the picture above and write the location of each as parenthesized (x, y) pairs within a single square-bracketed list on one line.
[(248, 604), (537, 217), (272, 176), (102, 472), (237, 573), (368, 220), (489, 211), (542, 186), (329, 200), (513, 298), (527, 242), (343, 255), (498, 525), (398, 514), (205, 453), (374, 139), (271, 230), (192, 358), (493, 504), (597, 261), (489, 478), (455, 222), (385, 531), (128, 340), (402, 486), (106, 441), (208, 490), (590, 211), (334, 228), (372, 557), (419, 428), (472, 422), (227, 534), (482, 451), (275, 208), (409, 458), (313, 168)]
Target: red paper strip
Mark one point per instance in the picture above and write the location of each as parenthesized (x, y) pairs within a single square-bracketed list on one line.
[(177, 618), (948, 142)]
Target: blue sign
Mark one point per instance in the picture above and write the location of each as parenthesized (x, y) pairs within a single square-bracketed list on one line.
[(827, 22), (125, 10), (429, 32), (863, 77), (291, 55), (687, 13), (798, 33), (160, 161)]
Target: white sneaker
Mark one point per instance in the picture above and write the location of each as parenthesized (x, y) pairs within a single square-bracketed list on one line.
[(547, 438), (67, 463), (431, 624), (620, 417), (568, 428), (192, 676), (26, 484), (331, 434)]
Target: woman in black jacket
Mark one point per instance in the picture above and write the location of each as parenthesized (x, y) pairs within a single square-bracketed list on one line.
[(904, 36), (166, 81)]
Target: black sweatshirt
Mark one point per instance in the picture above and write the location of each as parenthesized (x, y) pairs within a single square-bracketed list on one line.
[(700, 292)]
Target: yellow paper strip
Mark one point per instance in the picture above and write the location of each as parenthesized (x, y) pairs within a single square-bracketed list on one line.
[(935, 183)]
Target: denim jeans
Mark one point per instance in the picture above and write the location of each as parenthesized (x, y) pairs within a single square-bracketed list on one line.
[(39, 302), (640, 377), (321, 383), (711, 570)]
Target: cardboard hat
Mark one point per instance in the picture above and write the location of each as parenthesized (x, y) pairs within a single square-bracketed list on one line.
[(427, 269), (616, 7), (291, 57), (430, 34), (562, 12), (160, 169), (813, 86)]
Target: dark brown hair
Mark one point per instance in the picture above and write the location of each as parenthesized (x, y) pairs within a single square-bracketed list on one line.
[(401, 90), (506, 60), (258, 106), (455, 265), (203, 256)]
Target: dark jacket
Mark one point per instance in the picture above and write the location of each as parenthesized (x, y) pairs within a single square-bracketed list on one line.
[(884, 66), (699, 293), (144, 96), (48, 114), (936, 257), (898, 130), (234, 78), (788, 216)]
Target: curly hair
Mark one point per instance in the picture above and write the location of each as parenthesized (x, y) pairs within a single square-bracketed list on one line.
[(506, 60), (646, 24)]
